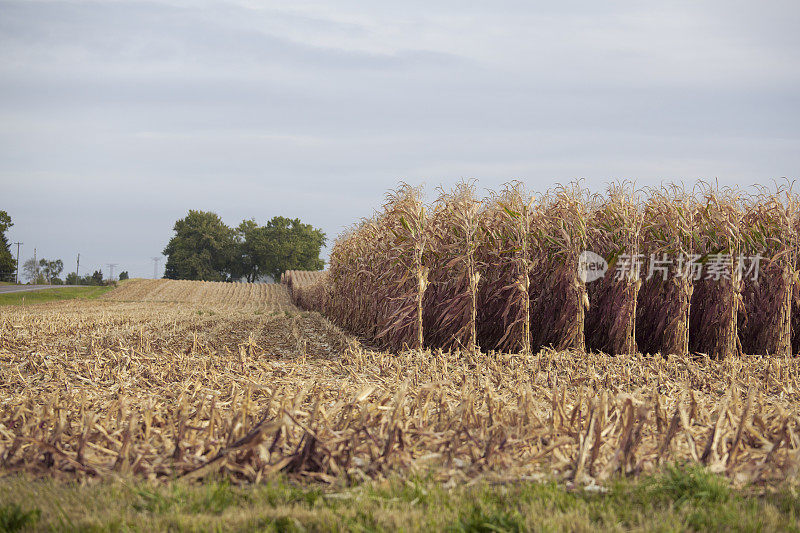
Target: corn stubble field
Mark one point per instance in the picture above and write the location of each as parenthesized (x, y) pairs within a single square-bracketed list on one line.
[(165, 390), (516, 369)]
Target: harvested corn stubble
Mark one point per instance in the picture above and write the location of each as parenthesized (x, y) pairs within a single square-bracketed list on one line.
[(156, 390)]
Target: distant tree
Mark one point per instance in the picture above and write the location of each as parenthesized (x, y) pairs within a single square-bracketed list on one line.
[(252, 251), (292, 245), (50, 269), (283, 244), (56, 281), (5, 222), (30, 270), (202, 248), (123, 275), (7, 263), (73, 279), (96, 278)]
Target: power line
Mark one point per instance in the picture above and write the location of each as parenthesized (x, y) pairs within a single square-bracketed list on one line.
[(111, 267), (16, 275)]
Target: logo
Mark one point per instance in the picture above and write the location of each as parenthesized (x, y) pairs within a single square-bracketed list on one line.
[(591, 266)]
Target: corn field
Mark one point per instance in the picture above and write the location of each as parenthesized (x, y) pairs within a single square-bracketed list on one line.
[(506, 362), (501, 273), (241, 296), (303, 285), (160, 391)]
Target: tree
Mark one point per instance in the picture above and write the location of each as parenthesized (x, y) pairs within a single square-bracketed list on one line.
[(51, 269), (202, 248), (73, 279), (5, 222), (292, 245), (123, 275), (96, 278), (283, 244), (30, 270), (251, 251), (7, 264)]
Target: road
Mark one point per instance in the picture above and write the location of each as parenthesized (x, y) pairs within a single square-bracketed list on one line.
[(26, 288)]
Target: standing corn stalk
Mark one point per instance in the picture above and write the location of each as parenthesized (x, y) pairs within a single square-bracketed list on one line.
[(312, 296), (615, 233), (504, 319), (717, 298), (771, 243), (451, 305), (558, 295), (665, 297), (353, 299), (795, 317), (400, 270)]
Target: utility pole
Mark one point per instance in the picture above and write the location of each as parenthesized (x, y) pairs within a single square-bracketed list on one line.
[(36, 267), (111, 267), (155, 266), (16, 276), (78, 268)]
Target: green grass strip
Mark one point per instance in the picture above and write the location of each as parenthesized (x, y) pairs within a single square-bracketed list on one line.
[(677, 499), (52, 295)]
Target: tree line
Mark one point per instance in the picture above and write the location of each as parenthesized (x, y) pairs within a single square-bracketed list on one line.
[(205, 248), (202, 248), (46, 272), (42, 271)]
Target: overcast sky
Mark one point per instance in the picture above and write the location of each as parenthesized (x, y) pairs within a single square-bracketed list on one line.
[(116, 117)]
